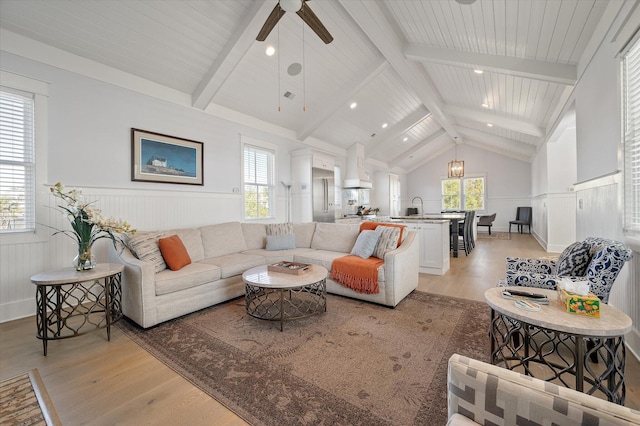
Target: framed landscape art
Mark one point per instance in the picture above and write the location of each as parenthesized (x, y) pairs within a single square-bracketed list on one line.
[(167, 159)]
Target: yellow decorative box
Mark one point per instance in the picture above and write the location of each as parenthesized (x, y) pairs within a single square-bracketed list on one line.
[(584, 305)]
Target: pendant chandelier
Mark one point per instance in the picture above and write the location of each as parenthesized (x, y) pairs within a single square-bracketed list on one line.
[(455, 168)]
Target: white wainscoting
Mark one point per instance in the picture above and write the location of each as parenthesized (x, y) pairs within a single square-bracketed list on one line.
[(554, 220), (144, 209), (599, 214)]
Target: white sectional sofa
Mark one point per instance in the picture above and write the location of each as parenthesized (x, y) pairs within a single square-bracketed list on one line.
[(220, 253)]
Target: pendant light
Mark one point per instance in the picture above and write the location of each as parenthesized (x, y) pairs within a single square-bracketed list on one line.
[(455, 168)]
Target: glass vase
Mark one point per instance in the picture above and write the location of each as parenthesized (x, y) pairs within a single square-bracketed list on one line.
[(84, 260)]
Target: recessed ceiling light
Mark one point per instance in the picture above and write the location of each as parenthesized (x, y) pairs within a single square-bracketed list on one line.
[(384, 126), (485, 105), (405, 139), (478, 71), (270, 50), (489, 125), (353, 105)]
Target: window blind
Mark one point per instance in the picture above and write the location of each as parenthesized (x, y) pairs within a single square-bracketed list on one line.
[(17, 162), (259, 177), (631, 129)]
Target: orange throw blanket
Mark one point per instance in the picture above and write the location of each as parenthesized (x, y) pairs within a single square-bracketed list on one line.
[(356, 273)]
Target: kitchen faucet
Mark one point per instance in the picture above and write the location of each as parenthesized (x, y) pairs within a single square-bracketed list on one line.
[(421, 204)]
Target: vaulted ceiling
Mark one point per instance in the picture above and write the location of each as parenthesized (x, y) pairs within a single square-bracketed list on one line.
[(423, 73)]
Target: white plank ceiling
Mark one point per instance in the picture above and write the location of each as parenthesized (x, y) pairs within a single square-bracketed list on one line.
[(408, 64)]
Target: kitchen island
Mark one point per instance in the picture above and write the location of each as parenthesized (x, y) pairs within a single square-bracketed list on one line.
[(434, 241)]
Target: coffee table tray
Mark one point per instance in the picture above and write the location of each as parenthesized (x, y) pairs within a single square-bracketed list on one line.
[(285, 267)]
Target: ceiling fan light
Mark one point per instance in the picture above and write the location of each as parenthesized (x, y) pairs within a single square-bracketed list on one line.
[(291, 6)]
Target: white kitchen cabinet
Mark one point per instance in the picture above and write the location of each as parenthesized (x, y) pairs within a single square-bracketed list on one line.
[(434, 245)]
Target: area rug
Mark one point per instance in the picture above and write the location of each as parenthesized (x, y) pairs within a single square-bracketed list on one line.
[(494, 236), (25, 401), (356, 364)]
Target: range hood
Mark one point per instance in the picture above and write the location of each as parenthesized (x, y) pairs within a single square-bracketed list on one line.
[(355, 176), (357, 184)]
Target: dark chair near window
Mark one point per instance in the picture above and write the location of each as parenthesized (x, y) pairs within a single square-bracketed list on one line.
[(487, 221), (523, 217)]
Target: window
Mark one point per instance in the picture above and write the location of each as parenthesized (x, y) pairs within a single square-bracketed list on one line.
[(631, 134), (17, 161), (259, 178), (463, 194)]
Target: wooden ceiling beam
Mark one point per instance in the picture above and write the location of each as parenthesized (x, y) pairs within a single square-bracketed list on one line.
[(509, 65), (519, 126), (229, 58)]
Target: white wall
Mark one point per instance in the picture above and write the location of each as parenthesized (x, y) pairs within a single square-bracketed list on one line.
[(599, 200), (89, 146), (508, 182)]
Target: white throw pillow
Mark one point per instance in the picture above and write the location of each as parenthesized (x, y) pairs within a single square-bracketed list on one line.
[(144, 246), (366, 243), (388, 240)]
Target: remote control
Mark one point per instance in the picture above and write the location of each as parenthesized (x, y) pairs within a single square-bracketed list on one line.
[(526, 305), (526, 294)]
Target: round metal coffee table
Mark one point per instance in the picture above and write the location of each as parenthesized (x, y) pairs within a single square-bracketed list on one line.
[(276, 296)]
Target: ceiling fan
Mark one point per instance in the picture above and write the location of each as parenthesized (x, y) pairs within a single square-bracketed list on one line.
[(301, 8)]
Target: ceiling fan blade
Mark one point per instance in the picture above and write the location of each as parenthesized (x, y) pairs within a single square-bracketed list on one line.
[(271, 22), (314, 23)]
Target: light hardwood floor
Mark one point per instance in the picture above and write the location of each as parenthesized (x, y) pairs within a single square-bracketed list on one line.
[(92, 381)]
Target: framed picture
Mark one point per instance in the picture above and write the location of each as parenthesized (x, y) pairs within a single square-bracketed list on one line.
[(161, 158)]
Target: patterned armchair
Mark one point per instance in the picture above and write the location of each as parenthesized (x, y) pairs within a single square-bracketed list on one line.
[(481, 393), (596, 260)]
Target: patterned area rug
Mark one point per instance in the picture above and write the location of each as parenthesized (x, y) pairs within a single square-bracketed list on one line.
[(25, 401), (356, 364), (494, 236)]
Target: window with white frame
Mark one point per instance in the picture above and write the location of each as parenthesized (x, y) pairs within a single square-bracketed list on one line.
[(258, 181), (631, 134), (17, 161), (463, 193)]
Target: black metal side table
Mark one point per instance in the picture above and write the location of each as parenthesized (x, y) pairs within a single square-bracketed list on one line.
[(553, 345), (68, 300)]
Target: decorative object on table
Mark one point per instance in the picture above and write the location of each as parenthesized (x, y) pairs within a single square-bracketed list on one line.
[(166, 159), (288, 267), (88, 226), (573, 303)]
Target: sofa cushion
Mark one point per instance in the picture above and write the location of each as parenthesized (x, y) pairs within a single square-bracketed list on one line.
[(574, 260), (281, 242), (144, 246), (254, 235), (335, 237), (366, 244), (235, 263), (174, 252), (280, 228), (192, 275), (304, 233), (387, 242), (222, 239), (192, 241), (274, 256)]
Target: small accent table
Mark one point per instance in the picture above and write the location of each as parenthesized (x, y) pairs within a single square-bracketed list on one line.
[(552, 344), (67, 300), (276, 296)]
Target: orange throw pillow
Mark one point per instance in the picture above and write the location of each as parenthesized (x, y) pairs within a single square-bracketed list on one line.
[(174, 252)]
